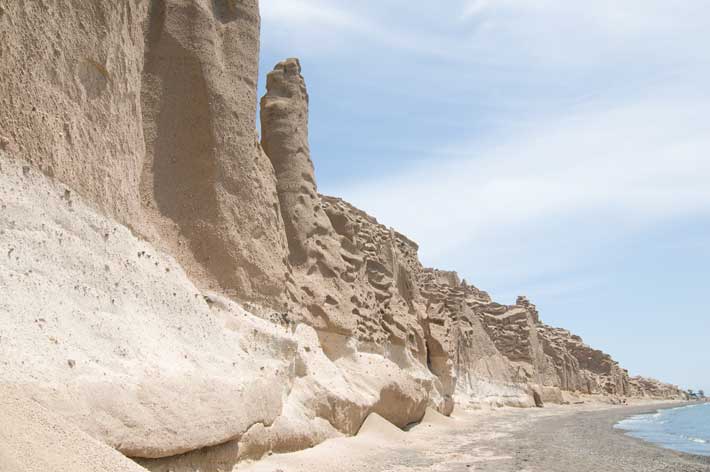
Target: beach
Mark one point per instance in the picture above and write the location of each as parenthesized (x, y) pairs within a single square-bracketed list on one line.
[(578, 438), (585, 441)]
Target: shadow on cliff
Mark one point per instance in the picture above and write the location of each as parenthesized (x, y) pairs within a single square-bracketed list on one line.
[(181, 166)]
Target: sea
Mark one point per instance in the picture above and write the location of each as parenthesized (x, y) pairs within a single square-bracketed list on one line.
[(685, 429)]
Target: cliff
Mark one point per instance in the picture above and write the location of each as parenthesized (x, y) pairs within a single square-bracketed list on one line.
[(642, 387), (177, 289)]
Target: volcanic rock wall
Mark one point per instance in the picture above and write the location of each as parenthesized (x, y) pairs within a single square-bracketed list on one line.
[(138, 210), (70, 85), (581, 368), (206, 186), (148, 110), (642, 387), (481, 373)]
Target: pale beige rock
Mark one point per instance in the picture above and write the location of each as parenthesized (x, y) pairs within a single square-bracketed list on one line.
[(314, 254), (326, 399), (581, 368), (110, 333), (482, 375), (338, 284), (147, 108), (284, 124), (206, 185), (655, 389), (71, 101)]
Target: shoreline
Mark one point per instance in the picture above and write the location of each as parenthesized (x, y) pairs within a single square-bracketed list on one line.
[(574, 438), (688, 455), (586, 440)]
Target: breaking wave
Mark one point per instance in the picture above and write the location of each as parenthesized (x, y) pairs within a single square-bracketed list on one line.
[(685, 429)]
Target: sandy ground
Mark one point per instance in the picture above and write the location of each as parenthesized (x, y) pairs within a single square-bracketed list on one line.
[(553, 439), (34, 439)]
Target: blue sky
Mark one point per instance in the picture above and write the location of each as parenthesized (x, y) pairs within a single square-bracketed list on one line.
[(558, 149)]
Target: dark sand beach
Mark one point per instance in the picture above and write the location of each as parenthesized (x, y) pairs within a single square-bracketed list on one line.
[(553, 439), (586, 441)]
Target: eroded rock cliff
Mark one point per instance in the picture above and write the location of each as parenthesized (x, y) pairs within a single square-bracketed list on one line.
[(180, 291), (206, 187), (642, 387)]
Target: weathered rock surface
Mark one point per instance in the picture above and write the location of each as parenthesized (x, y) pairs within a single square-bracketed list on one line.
[(110, 334), (642, 387), (147, 108), (104, 329), (70, 84), (206, 186), (343, 277), (581, 368), (180, 291)]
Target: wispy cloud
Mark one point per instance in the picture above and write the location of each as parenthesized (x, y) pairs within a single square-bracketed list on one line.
[(312, 14), (321, 25), (628, 166), (579, 33)]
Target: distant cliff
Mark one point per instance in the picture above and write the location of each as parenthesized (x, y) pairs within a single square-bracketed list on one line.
[(179, 290)]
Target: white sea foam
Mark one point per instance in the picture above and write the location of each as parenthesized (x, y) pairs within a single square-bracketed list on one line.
[(685, 429)]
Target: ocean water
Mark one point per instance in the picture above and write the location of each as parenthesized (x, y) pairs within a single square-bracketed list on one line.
[(685, 429)]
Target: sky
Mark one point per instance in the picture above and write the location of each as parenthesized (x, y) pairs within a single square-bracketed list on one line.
[(558, 149)]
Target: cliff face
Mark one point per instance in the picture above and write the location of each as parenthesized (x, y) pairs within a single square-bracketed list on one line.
[(181, 291), (206, 186), (148, 109), (70, 85), (641, 387)]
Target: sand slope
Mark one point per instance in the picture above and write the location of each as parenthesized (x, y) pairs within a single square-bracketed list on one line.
[(555, 439), (33, 439)]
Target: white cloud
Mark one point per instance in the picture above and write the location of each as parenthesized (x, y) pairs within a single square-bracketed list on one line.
[(507, 33), (308, 13), (632, 165), (324, 26), (630, 147)]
